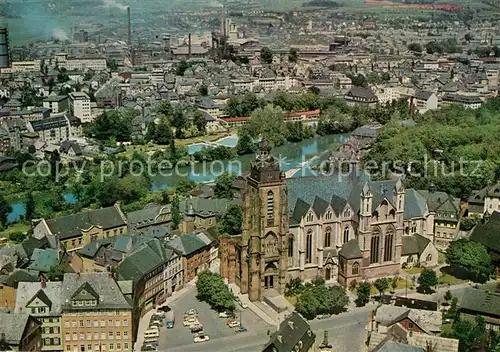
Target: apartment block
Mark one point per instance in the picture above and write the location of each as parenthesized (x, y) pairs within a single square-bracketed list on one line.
[(79, 106)]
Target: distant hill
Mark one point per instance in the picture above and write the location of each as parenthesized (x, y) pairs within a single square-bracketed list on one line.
[(321, 3)]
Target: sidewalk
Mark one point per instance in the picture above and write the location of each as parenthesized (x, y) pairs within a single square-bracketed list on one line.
[(258, 311), (144, 321)]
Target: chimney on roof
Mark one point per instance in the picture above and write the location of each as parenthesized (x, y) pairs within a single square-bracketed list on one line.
[(189, 45), (280, 338), (291, 325), (78, 275), (43, 283)]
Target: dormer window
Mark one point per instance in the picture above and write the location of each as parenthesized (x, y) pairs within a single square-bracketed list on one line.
[(329, 215), (347, 213), (310, 217)]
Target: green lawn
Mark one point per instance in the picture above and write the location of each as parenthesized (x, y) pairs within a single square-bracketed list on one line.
[(441, 258), (19, 227), (413, 270), (447, 279)]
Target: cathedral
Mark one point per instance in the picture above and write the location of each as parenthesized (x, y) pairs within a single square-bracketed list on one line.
[(343, 228)]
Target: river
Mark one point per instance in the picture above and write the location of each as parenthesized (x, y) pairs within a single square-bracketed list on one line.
[(293, 156)]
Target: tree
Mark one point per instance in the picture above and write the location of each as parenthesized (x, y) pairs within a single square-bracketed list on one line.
[(468, 37), (358, 80), (245, 142), (182, 66), (385, 76), (5, 210), (17, 236), (394, 283), (56, 272), (30, 207), (212, 289), (448, 296), (363, 294), (427, 280), (224, 185), (294, 287), (415, 47), (200, 122), (176, 213), (55, 162), (266, 55), (163, 132), (185, 186), (293, 55), (165, 197), (232, 220), (267, 123), (320, 299), (203, 90), (471, 257), (452, 313), (381, 284), (151, 132), (468, 223)]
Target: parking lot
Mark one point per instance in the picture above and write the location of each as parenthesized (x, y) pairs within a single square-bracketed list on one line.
[(213, 326)]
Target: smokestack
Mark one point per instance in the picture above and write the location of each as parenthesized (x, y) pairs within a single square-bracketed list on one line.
[(189, 45), (222, 22), (129, 38), (4, 48)]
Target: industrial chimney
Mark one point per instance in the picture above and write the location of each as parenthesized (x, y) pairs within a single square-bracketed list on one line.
[(189, 45), (129, 38), (4, 48)]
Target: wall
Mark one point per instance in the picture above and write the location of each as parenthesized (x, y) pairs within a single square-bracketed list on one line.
[(7, 297)]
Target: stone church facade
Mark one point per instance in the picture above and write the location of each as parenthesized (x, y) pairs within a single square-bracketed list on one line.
[(341, 228)]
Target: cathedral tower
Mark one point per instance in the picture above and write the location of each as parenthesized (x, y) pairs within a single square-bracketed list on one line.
[(264, 252)]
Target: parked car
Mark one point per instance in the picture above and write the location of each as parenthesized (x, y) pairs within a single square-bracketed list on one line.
[(191, 312), (164, 309), (159, 315), (190, 321), (201, 338), (243, 305), (148, 347), (152, 334), (233, 323), (170, 319), (241, 328), (153, 342), (224, 315), (196, 328)]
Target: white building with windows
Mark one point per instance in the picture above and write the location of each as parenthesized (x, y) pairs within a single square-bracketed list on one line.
[(79, 106)]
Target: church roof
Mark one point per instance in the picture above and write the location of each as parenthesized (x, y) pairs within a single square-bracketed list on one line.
[(351, 250)]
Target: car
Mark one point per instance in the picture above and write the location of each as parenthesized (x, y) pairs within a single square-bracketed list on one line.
[(224, 315), (190, 321), (201, 338), (191, 312), (196, 328), (159, 315), (164, 309), (169, 324), (241, 328), (153, 342), (148, 347), (243, 305), (233, 323)]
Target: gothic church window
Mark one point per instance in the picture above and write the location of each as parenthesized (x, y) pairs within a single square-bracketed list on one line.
[(375, 248), (328, 237), (347, 213), (309, 247), (355, 269), (346, 235), (329, 215), (389, 239), (310, 217), (290, 246), (270, 205)]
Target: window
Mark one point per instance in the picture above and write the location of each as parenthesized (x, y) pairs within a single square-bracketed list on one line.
[(82, 336), (88, 323), (118, 346), (310, 217), (41, 310), (355, 269), (270, 205), (328, 237), (389, 239), (429, 258), (96, 347), (75, 336), (96, 323), (375, 248), (125, 346), (103, 336), (346, 235), (82, 348), (110, 335), (68, 348), (89, 336), (89, 347), (110, 322), (347, 213), (290, 246), (33, 310), (66, 324), (81, 323), (118, 335), (103, 323), (67, 337), (125, 334), (125, 322), (309, 247), (329, 215), (111, 347), (96, 336)]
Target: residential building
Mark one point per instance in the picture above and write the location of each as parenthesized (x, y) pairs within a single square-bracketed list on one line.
[(79, 106), (477, 301), (23, 66), (15, 128), (409, 327), (487, 232), (425, 101), (56, 129), (196, 253), (5, 141), (467, 101), (20, 332), (77, 230), (96, 313), (56, 103), (484, 200), (294, 335), (492, 199), (9, 283), (156, 272), (42, 300), (446, 211), (62, 60), (360, 96)]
